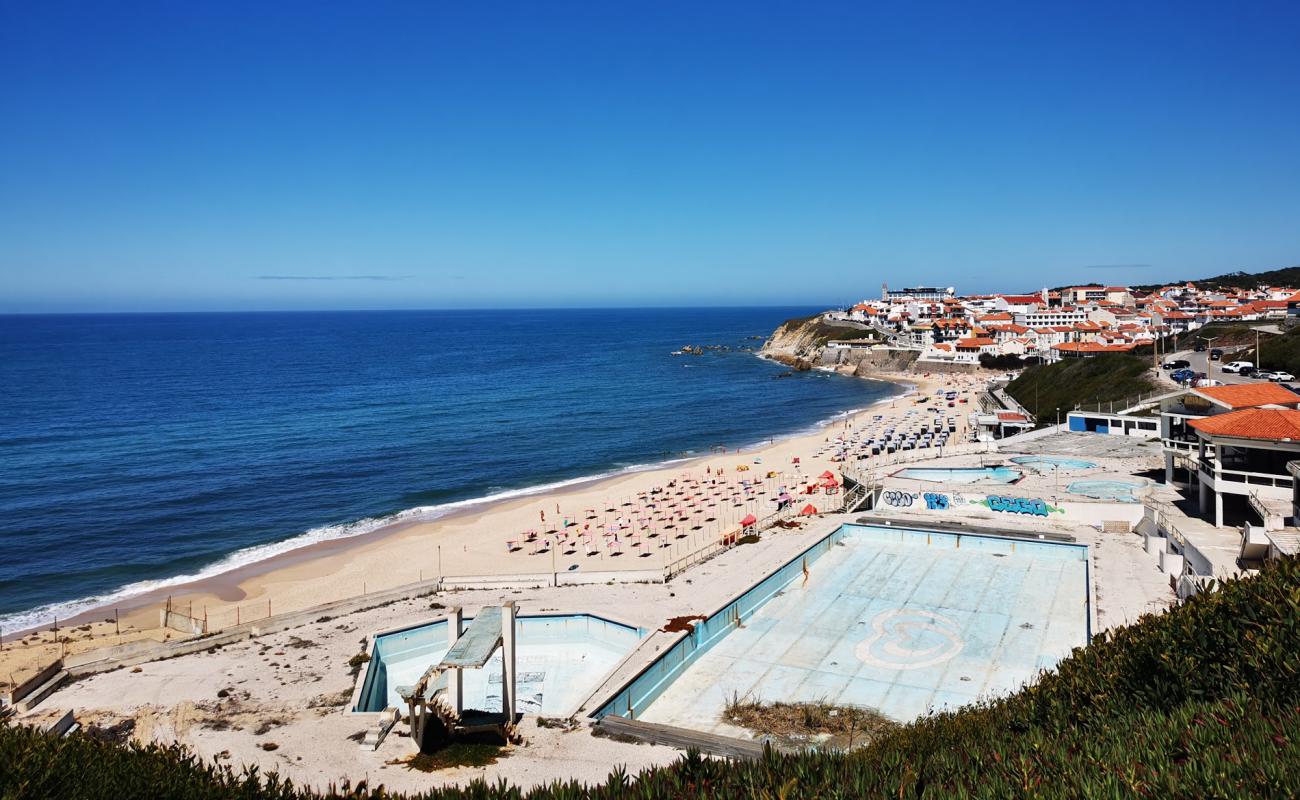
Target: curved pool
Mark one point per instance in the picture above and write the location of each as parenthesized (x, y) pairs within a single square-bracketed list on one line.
[(1001, 474), (1043, 464), (1113, 490)]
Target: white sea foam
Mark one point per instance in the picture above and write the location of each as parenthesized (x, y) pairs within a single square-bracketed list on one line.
[(46, 614)]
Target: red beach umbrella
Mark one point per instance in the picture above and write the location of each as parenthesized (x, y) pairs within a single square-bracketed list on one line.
[(749, 519), (808, 510)]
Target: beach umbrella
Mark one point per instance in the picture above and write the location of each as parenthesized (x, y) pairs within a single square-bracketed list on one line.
[(808, 510), (749, 519), (827, 475)]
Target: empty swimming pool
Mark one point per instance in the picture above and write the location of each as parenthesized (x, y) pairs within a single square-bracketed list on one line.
[(1047, 464), (899, 620), (1001, 474), (1116, 490), (558, 661)]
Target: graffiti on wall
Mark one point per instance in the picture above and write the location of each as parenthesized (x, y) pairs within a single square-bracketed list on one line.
[(943, 501), (935, 501), (898, 499), (1021, 505)]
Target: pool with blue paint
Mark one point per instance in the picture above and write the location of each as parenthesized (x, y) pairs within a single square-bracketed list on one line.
[(1048, 464), (999, 474), (558, 660), (1118, 491), (900, 620)]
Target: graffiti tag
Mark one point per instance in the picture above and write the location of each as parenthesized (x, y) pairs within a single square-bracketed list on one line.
[(1019, 505), (897, 499), (935, 501)]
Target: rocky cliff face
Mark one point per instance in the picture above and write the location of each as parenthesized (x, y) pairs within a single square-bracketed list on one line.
[(796, 338), (801, 344)]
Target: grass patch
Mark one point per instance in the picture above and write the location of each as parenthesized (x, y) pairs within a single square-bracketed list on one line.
[(457, 754), (356, 662), (847, 726)]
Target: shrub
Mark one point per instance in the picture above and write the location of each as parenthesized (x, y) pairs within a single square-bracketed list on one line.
[(1203, 701)]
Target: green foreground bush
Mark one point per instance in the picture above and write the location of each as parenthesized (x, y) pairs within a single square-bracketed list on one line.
[(1200, 702)]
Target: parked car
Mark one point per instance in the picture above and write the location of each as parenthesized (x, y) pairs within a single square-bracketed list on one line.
[(1216, 354), (1182, 375), (1203, 382), (1177, 363), (1238, 366), (1247, 372), (1200, 347), (1276, 375)]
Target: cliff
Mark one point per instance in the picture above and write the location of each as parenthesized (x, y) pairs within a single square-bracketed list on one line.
[(801, 345)]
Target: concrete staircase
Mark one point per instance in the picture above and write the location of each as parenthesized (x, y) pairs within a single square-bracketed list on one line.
[(379, 731)]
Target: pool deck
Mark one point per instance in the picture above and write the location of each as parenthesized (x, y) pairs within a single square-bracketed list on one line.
[(299, 679)]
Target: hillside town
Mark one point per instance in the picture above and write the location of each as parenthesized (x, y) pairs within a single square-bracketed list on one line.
[(1049, 325)]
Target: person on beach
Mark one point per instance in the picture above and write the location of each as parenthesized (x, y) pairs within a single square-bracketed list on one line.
[(543, 513)]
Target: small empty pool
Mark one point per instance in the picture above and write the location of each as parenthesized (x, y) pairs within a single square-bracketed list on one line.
[(1001, 474), (1047, 464), (558, 661), (1114, 490)]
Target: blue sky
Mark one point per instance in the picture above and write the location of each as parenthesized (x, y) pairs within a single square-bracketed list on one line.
[(176, 156)]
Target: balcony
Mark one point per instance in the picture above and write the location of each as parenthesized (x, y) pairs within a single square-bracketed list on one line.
[(1236, 481), (1177, 445)]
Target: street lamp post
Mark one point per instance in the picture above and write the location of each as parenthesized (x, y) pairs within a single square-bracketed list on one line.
[(1209, 362)]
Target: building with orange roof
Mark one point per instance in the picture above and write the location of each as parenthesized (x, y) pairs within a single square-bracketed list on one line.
[(1088, 349), (1243, 461)]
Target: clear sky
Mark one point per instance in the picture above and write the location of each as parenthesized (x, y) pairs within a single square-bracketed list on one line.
[(222, 155)]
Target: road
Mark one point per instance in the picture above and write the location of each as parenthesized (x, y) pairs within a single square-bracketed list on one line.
[(1201, 363)]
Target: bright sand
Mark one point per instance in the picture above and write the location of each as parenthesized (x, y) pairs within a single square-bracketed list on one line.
[(475, 543)]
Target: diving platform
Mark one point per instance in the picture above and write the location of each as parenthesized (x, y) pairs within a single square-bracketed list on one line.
[(477, 644), (436, 701)]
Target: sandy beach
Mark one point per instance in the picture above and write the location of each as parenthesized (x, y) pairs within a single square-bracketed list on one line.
[(635, 522)]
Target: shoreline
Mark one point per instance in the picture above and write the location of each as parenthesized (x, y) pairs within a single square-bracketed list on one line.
[(253, 580)]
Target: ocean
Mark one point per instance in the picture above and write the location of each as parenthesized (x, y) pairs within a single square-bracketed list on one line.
[(141, 450)]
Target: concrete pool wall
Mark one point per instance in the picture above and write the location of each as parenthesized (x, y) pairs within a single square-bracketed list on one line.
[(807, 642), (561, 658), (650, 682)]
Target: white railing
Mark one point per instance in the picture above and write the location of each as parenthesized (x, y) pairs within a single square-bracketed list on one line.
[(1220, 475), (1161, 512)]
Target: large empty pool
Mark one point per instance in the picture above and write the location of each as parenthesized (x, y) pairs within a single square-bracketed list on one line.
[(961, 474), (558, 661), (898, 620), (1048, 464)]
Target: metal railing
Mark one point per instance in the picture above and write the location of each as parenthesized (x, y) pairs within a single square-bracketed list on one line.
[(1126, 404)]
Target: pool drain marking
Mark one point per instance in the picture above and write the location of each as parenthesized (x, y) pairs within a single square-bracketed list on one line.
[(908, 639)]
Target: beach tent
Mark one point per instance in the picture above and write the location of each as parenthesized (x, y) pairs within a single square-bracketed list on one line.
[(808, 510), (749, 519)]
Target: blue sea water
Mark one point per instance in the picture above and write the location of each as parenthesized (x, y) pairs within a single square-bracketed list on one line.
[(142, 450)]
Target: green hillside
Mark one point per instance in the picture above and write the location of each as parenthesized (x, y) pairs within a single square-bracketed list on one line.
[(1203, 701), (1046, 389), (1285, 276)]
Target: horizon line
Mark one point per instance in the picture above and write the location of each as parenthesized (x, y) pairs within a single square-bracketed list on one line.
[(400, 310)]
